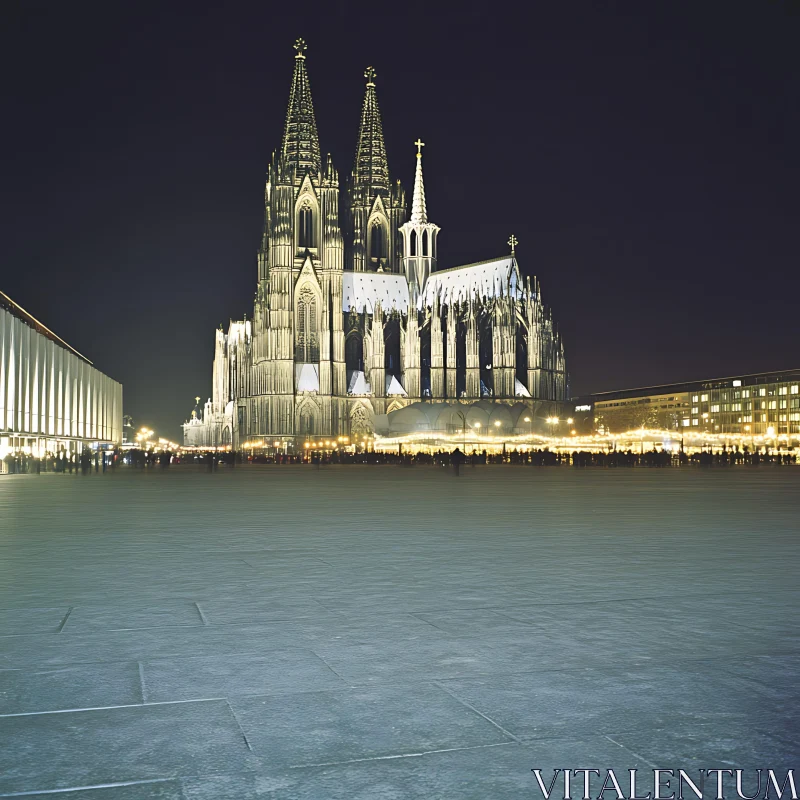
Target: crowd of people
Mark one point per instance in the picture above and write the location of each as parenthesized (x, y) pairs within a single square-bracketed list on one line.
[(94, 461)]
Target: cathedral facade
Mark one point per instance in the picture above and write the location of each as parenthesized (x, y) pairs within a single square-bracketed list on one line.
[(352, 318)]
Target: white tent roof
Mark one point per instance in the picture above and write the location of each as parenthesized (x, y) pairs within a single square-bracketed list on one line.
[(306, 377), (393, 387), (357, 383), (519, 389)]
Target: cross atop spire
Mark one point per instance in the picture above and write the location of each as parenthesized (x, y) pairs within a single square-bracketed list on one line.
[(371, 169), (513, 242), (301, 46), (420, 144)]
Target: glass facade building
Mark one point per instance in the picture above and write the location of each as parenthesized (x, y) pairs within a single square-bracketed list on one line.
[(51, 397), (765, 404)]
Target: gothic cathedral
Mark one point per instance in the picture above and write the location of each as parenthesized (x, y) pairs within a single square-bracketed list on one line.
[(352, 318)]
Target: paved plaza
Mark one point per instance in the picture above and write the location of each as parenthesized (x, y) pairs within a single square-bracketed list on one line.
[(384, 633)]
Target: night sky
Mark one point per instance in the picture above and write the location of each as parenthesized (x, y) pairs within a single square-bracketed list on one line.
[(646, 155)]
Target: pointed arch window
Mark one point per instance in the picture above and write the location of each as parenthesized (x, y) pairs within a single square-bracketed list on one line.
[(306, 229), (378, 243), (307, 332), (413, 247), (425, 243)]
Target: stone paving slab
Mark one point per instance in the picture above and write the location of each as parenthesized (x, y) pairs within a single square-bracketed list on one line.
[(282, 671), (155, 790), (499, 772), (438, 646), (330, 727), (115, 745), (14, 621), (60, 688)]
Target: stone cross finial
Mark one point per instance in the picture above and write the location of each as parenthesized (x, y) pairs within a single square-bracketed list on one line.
[(300, 45), (370, 75), (197, 401), (420, 144), (513, 242)]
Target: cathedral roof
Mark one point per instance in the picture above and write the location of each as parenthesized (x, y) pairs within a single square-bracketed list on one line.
[(361, 291), (371, 169), (495, 278), (300, 147)]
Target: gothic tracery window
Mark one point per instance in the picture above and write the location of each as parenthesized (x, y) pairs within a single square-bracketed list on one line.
[(307, 333)]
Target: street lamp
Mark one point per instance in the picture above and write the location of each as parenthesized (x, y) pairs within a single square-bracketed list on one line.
[(530, 426)]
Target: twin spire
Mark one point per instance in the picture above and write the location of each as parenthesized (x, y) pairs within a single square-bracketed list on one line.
[(300, 146), (371, 169)]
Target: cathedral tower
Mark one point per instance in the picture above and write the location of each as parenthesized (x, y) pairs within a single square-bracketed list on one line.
[(298, 347), (377, 208)]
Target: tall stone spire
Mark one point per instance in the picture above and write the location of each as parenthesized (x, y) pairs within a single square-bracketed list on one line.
[(300, 147), (419, 213), (371, 169), (420, 236)]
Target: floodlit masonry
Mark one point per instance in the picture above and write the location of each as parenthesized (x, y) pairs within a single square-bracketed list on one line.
[(354, 321), (51, 397)]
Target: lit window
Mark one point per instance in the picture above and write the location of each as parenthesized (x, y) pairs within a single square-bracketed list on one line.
[(695, 398), (695, 409), (782, 418), (762, 392), (686, 423), (714, 409), (782, 404), (737, 383), (773, 404), (747, 418), (783, 390), (695, 422), (762, 417), (704, 398), (795, 389), (737, 406), (795, 416), (745, 393)]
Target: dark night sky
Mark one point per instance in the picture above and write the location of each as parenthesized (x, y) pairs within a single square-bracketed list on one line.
[(645, 154)]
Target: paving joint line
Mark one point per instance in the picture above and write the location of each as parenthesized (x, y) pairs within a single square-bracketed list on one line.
[(64, 621), (401, 755), (86, 788), (238, 725), (472, 708), (142, 684), (200, 612), (633, 753)]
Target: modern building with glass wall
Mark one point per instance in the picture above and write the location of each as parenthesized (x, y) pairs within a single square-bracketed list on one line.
[(766, 404), (51, 397)]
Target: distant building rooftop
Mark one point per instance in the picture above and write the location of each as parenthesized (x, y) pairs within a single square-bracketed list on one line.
[(753, 379), (20, 313)]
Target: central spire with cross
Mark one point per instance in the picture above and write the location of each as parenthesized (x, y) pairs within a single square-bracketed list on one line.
[(301, 46), (513, 242), (420, 144)]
